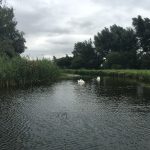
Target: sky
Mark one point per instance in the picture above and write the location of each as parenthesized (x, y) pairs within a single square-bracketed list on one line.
[(52, 27)]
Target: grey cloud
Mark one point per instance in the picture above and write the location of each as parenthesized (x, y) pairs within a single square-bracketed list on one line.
[(124, 3), (53, 26), (81, 25)]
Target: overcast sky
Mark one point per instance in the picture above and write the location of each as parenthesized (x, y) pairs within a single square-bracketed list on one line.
[(53, 26)]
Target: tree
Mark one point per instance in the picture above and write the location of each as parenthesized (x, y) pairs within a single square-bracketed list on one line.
[(63, 62), (103, 41), (84, 55), (11, 40), (116, 39), (114, 60), (142, 28), (119, 60)]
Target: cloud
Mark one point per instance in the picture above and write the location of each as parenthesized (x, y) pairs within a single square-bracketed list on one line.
[(53, 26)]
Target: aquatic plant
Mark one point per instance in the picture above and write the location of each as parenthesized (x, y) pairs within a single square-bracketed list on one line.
[(21, 71)]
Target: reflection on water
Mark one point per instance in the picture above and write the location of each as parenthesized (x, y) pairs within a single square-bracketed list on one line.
[(110, 115)]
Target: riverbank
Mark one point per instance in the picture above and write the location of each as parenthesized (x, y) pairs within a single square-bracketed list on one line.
[(141, 75), (19, 71)]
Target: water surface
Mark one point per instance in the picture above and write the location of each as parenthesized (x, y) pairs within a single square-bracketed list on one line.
[(110, 115)]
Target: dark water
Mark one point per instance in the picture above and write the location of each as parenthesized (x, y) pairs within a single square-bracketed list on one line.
[(110, 115)]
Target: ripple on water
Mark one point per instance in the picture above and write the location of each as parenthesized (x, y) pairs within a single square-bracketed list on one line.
[(109, 115)]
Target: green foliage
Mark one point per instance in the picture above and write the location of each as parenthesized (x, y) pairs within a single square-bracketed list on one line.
[(12, 41), (63, 62), (142, 28), (119, 60), (102, 42), (84, 55), (21, 71), (117, 41), (114, 60), (78, 62), (145, 61)]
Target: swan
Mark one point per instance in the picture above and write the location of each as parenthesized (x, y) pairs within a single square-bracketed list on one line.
[(81, 82), (98, 79)]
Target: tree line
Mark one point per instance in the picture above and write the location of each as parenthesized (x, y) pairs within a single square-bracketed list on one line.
[(113, 48)]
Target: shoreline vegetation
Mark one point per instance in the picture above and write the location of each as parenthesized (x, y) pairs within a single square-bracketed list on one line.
[(140, 75), (19, 71)]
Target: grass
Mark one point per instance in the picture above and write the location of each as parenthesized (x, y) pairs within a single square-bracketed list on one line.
[(21, 71), (142, 75)]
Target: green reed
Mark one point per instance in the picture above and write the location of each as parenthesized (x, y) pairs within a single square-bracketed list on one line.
[(21, 71)]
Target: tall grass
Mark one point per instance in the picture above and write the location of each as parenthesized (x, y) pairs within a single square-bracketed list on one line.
[(20, 71)]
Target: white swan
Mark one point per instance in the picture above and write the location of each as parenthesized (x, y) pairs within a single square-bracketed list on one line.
[(98, 79), (81, 82)]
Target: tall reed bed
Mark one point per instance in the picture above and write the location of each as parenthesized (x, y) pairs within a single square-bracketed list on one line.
[(19, 71)]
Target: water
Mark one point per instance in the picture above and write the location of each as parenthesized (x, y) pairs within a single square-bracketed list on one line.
[(110, 115)]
